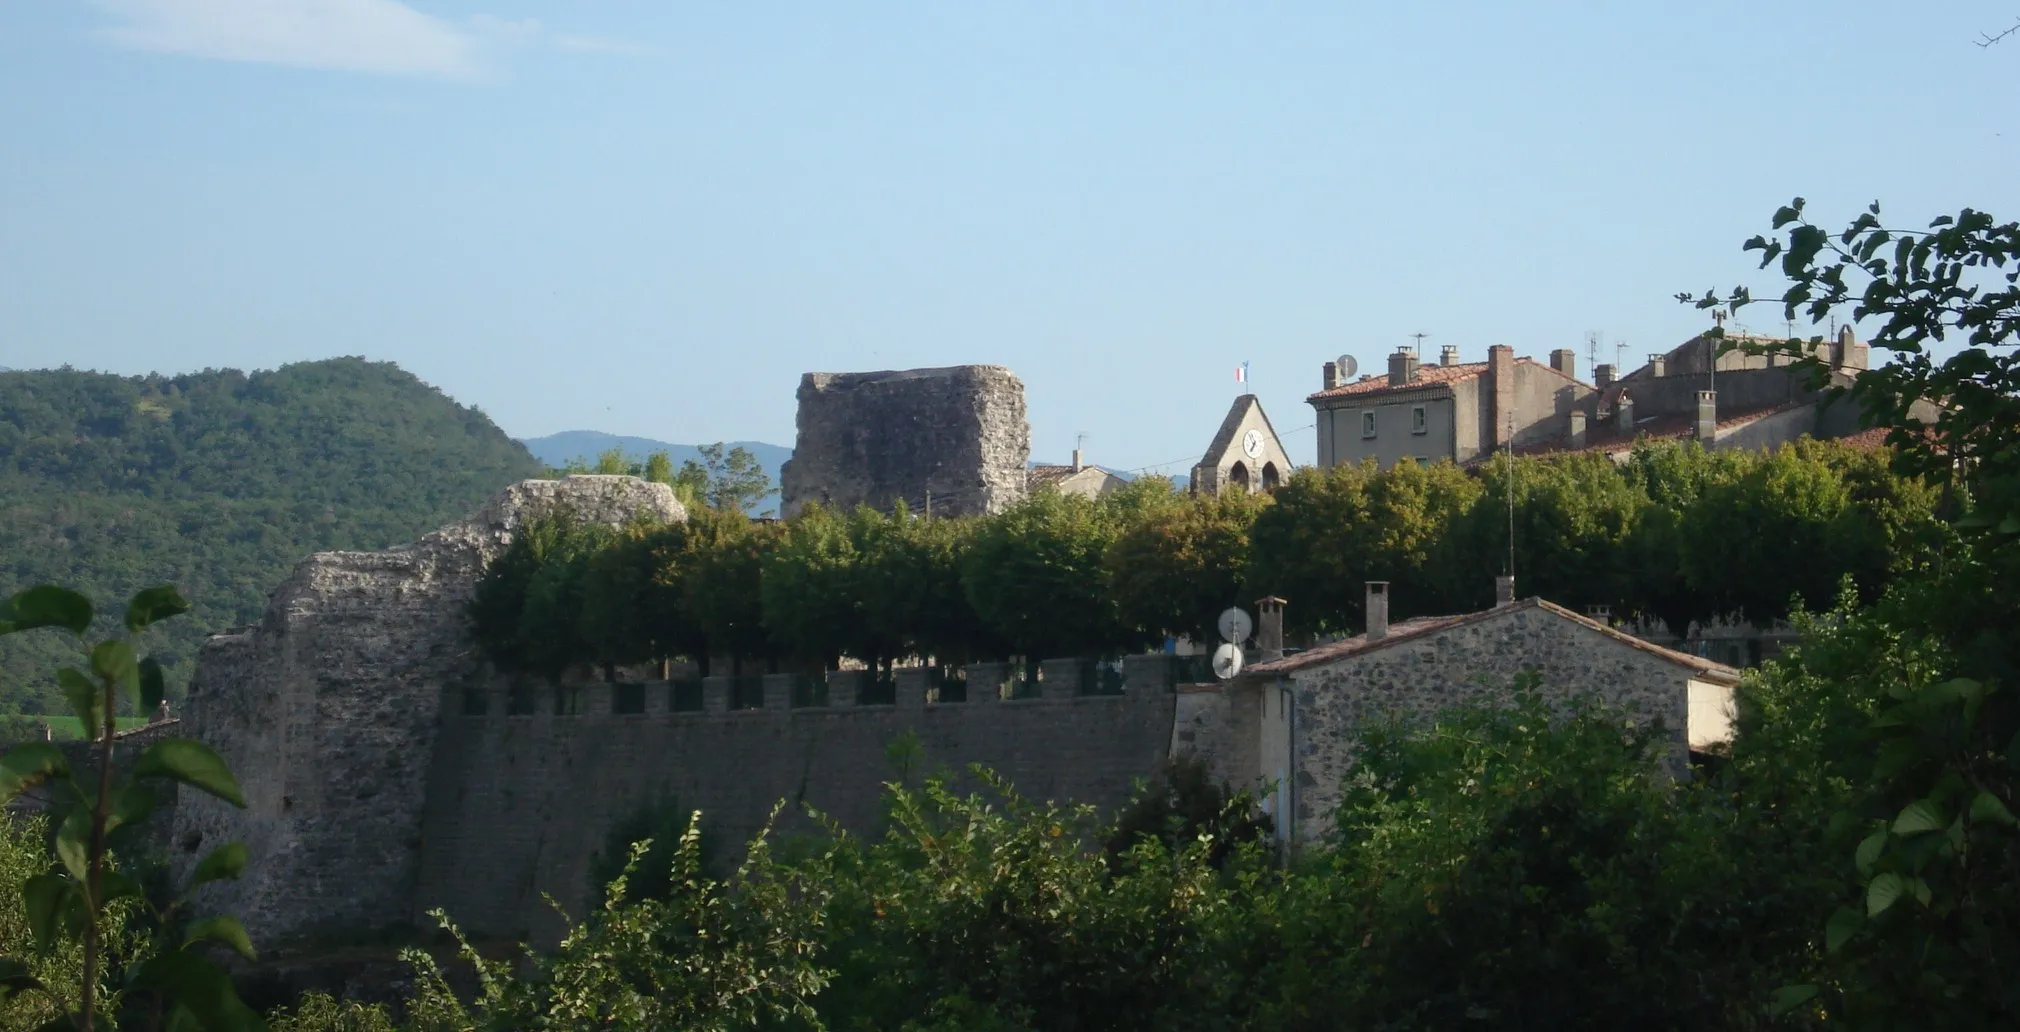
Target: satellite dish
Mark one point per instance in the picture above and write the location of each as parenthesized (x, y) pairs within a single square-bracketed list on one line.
[(1227, 661), (1346, 365), (1235, 625)]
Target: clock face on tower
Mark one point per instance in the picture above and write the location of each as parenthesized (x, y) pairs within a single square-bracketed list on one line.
[(1252, 444)]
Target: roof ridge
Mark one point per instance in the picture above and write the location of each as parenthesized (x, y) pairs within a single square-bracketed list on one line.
[(1419, 626)]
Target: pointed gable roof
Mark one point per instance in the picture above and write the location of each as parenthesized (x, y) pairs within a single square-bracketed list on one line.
[(1349, 648), (1237, 414)]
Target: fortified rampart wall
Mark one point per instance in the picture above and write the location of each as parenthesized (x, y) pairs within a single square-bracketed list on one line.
[(520, 804), (327, 711)]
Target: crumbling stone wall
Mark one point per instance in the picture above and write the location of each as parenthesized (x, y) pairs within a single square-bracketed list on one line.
[(956, 434), (328, 709)]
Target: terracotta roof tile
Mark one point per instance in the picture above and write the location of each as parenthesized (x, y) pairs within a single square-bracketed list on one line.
[(1427, 375), (1411, 629)]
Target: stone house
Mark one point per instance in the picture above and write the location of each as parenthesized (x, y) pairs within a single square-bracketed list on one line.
[(1287, 725), (1079, 478), (1454, 410), (1246, 453)]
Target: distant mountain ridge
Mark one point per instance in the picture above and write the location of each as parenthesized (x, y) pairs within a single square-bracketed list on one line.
[(557, 450)]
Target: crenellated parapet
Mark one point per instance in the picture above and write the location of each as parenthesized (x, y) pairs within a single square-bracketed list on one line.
[(522, 798)]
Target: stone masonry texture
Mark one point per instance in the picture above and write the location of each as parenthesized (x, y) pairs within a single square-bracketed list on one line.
[(327, 710), (386, 774), (1412, 680), (956, 434), (519, 806)]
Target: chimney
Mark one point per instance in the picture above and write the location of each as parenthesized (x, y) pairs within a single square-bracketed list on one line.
[(1851, 353), (1332, 376), (1623, 415), (1076, 460), (1565, 361), (1402, 367), (1601, 612), (1504, 590), (1378, 610), (1448, 355), (1707, 416), (1501, 380), (1577, 434), (1602, 375), (1269, 639), (1658, 365)]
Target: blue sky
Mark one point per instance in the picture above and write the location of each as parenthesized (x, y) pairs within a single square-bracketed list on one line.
[(650, 218)]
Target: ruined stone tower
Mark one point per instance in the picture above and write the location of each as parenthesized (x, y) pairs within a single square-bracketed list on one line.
[(955, 435)]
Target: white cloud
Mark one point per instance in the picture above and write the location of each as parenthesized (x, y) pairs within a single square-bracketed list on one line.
[(382, 36)]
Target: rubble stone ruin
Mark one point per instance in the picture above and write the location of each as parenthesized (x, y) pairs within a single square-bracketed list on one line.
[(954, 437)]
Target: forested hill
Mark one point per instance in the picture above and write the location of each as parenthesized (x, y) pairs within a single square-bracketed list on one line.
[(219, 482)]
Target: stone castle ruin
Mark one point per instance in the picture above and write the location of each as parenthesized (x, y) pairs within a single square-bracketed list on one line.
[(953, 438), (389, 769)]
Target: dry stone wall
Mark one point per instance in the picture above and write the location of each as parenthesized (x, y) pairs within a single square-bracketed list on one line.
[(957, 435), (328, 710)]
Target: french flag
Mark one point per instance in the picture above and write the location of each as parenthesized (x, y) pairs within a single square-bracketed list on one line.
[(1241, 373)]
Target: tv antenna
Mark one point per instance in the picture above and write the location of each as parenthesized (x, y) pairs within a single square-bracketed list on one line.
[(1592, 341), (1509, 465), (1419, 345)]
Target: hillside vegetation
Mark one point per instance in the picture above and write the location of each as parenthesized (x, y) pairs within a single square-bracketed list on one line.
[(219, 482)]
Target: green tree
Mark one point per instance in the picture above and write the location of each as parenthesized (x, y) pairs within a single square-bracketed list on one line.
[(676, 604), (812, 609), (526, 609), (1671, 477), (1788, 523), (615, 619), (1175, 567), (1035, 576), (737, 481), (724, 588), (1929, 918), (1308, 546), (1328, 532), (1571, 519)]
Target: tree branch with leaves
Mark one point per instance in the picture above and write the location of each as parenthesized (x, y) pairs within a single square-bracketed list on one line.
[(68, 902)]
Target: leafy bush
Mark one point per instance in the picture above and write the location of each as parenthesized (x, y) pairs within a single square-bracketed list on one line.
[(711, 955)]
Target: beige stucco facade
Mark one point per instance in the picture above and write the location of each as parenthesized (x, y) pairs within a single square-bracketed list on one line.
[(1453, 411)]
